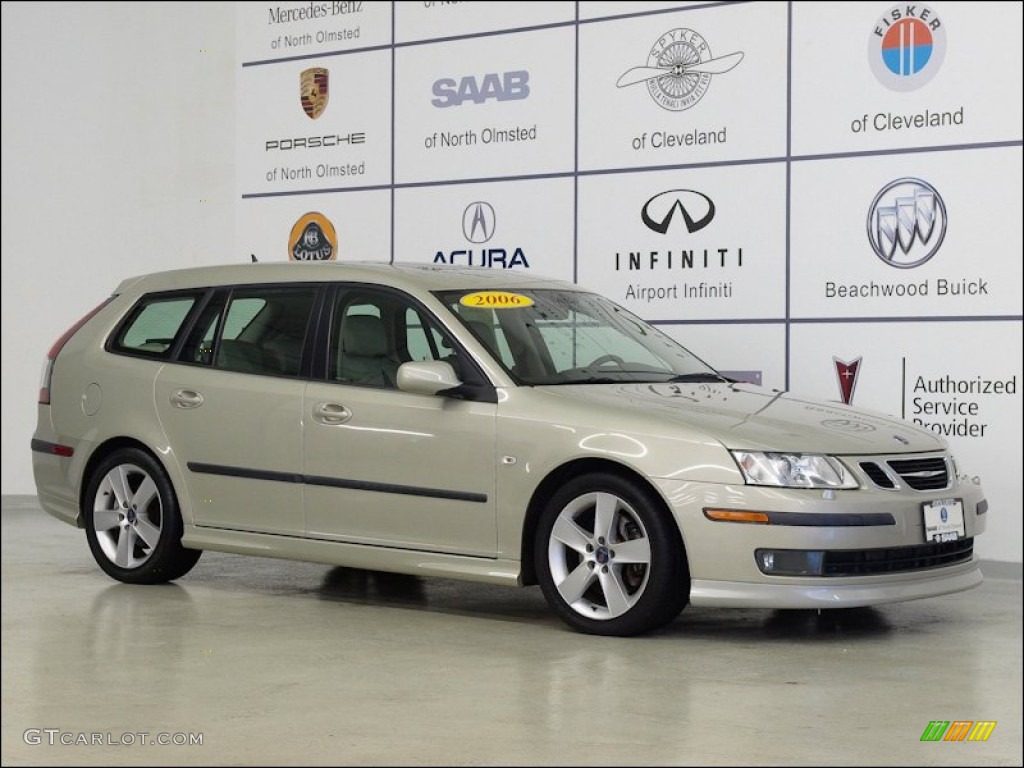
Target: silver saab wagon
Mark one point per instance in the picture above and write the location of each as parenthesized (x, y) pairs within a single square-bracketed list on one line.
[(483, 425)]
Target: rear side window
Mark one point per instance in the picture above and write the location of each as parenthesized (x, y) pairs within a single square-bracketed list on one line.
[(154, 324), (254, 330)]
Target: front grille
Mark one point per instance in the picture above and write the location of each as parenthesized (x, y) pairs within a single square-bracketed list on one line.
[(877, 474), (926, 474), (922, 473), (865, 562)]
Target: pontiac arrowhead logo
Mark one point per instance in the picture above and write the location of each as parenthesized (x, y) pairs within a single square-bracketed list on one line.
[(846, 373), (313, 91)]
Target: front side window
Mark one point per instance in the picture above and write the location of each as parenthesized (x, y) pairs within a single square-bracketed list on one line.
[(373, 332), (154, 324), (550, 336)]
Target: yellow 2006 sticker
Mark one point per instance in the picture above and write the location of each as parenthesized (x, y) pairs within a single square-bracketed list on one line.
[(496, 300)]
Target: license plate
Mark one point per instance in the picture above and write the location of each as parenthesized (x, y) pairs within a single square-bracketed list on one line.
[(944, 520)]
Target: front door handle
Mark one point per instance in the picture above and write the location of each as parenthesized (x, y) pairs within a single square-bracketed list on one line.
[(186, 398), (331, 413)]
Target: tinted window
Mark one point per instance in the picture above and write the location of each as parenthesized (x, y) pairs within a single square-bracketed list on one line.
[(154, 324), (254, 330)]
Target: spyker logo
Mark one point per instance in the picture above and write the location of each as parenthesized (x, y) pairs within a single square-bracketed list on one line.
[(696, 208), (478, 222), (846, 374), (906, 223), (679, 69)]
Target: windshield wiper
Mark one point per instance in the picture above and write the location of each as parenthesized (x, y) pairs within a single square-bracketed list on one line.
[(696, 378)]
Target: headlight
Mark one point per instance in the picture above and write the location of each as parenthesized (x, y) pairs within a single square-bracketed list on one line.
[(793, 470)]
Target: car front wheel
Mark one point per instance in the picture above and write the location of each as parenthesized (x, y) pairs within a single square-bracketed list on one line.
[(132, 520), (609, 557)]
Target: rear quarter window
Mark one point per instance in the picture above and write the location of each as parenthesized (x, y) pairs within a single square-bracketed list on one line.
[(153, 325)]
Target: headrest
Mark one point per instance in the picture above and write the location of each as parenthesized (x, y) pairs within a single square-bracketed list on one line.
[(364, 336)]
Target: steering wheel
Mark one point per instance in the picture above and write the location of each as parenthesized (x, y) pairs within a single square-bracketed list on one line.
[(607, 359)]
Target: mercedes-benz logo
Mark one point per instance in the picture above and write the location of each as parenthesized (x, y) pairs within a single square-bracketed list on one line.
[(478, 222), (696, 208), (906, 223)]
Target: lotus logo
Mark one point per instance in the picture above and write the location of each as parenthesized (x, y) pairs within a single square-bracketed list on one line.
[(846, 374), (478, 222), (313, 91), (696, 209), (679, 69), (906, 223), (313, 239)]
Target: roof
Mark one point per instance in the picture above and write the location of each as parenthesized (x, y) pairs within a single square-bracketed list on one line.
[(405, 276)]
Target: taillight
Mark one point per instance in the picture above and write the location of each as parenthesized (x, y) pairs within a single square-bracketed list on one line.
[(51, 357)]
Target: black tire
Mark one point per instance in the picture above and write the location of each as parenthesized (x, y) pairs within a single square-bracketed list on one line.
[(601, 582), (132, 520)]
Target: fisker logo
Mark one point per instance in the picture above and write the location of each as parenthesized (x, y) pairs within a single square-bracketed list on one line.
[(509, 86), (696, 209), (313, 239), (906, 223), (906, 46), (846, 374), (679, 69), (313, 91), (478, 222)]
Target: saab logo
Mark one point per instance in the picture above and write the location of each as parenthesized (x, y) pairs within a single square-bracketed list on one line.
[(958, 730), (478, 225), (696, 208), (906, 46), (312, 239), (511, 86), (846, 374), (313, 92), (906, 223), (478, 222), (848, 425), (679, 69)]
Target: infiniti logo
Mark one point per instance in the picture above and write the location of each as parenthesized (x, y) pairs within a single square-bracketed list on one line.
[(906, 223), (478, 222), (696, 208)]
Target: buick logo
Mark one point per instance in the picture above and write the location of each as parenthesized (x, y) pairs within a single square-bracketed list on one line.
[(313, 92), (906, 46), (906, 223), (696, 209), (846, 374), (678, 70), (478, 222)]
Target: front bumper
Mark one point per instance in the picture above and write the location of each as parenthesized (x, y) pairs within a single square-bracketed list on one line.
[(722, 554)]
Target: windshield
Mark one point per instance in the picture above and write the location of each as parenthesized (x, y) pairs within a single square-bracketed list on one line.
[(551, 336)]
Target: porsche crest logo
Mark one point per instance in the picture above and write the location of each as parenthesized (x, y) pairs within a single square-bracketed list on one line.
[(313, 91), (313, 239)]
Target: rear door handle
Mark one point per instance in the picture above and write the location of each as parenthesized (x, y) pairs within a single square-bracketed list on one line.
[(186, 398), (331, 413)]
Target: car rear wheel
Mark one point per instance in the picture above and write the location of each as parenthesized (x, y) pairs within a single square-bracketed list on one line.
[(609, 557), (132, 520)]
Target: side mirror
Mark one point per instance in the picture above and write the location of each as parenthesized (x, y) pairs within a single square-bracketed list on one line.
[(427, 377)]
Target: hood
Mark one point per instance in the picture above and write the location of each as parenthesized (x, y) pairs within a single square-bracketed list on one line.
[(746, 417)]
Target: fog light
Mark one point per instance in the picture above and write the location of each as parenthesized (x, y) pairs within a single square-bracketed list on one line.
[(790, 562)]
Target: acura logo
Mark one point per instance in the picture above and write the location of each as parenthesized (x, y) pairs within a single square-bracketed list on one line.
[(478, 222), (696, 209), (906, 223)]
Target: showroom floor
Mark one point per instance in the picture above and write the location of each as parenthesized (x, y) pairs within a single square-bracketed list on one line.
[(274, 663)]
